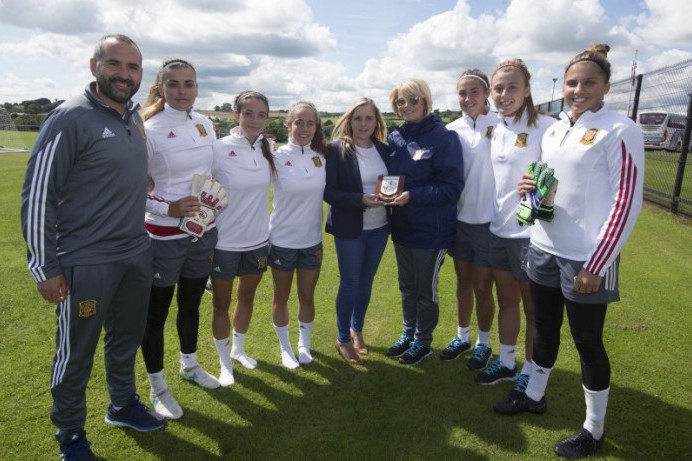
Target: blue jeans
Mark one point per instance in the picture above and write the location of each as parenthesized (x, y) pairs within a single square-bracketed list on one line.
[(358, 263)]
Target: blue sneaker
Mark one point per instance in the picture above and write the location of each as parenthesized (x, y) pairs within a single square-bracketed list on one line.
[(454, 350), (519, 386), (415, 354), (78, 449), (480, 357), (495, 373), (400, 346), (135, 416)]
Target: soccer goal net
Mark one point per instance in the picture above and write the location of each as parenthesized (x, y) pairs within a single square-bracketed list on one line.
[(10, 138)]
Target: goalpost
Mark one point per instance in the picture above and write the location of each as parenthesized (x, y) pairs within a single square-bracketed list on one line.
[(10, 138)]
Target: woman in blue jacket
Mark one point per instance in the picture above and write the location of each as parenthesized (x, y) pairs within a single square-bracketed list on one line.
[(356, 218), (423, 221)]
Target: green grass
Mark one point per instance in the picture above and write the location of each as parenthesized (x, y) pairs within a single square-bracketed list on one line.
[(17, 139), (330, 410), (660, 172)]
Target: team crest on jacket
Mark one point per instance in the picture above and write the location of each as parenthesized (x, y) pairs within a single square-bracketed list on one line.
[(589, 136), (489, 132), (87, 308), (522, 140), (140, 128), (317, 161), (201, 129)]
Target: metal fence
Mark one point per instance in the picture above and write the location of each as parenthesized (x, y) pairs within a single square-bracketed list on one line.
[(669, 91)]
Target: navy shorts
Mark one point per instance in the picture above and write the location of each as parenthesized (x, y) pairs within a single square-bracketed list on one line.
[(229, 264), (509, 255), (288, 259), (472, 244), (187, 257), (555, 271)]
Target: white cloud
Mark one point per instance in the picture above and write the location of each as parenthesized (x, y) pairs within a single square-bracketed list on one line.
[(667, 23), (276, 46)]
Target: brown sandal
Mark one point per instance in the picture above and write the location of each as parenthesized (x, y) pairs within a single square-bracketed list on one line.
[(359, 343), (347, 353)]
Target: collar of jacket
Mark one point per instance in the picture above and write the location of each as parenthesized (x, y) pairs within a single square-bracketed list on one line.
[(415, 129)]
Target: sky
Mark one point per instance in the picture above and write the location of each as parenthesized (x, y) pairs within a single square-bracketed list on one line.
[(332, 51)]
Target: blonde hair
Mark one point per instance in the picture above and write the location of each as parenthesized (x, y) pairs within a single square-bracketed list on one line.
[(238, 104), (597, 54), (318, 143), (412, 87), (528, 106), (344, 131), (154, 102)]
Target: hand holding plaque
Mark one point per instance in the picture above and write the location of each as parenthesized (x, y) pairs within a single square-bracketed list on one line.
[(389, 187)]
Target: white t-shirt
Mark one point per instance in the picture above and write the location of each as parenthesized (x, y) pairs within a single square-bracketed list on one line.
[(246, 175), (371, 166), (599, 163), (179, 145), (513, 146), (296, 219), (477, 202)]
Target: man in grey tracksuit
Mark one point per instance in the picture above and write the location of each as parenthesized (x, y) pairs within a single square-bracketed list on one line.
[(83, 221)]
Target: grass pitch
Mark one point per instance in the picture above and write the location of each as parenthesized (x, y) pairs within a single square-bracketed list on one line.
[(382, 410)]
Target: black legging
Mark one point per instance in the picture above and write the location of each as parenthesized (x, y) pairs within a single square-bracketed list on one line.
[(189, 295), (586, 324)]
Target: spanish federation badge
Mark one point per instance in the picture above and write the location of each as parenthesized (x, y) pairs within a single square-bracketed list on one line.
[(317, 161), (489, 132), (201, 129), (522, 139), (87, 308), (140, 128), (589, 136)]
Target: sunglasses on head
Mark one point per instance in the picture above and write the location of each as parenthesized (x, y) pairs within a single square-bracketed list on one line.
[(411, 100)]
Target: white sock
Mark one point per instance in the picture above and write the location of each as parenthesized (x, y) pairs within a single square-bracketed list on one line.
[(238, 351), (463, 333), (483, 338), (224, 354), (188, 361), (288, 358), (526, 369), (596, 405), (507, 356), (157, 382), (226, 376), (538, 381), (305, 330)]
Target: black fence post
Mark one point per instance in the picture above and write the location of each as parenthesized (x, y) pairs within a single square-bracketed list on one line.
[(635, 104), (677, 188)]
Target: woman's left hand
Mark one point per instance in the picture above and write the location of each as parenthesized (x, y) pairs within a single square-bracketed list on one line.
[(401, 200), (585, 282)]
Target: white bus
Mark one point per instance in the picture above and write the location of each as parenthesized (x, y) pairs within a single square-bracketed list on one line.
[(662, 130)]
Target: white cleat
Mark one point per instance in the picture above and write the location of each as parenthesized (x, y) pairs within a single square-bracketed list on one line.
[(165, 405), (226, 377), (288, 360), (200, 377), (304, 356), (245, 360)]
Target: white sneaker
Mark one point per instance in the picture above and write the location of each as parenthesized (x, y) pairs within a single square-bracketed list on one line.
[(200, 377), (244, 359), (226, 377), (304, 356), (165, 405), (288, 360)]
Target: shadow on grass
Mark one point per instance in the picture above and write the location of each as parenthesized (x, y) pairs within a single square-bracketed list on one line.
[(383, 410)]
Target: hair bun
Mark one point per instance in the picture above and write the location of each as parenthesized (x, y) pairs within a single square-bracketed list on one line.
[(599, 48)]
